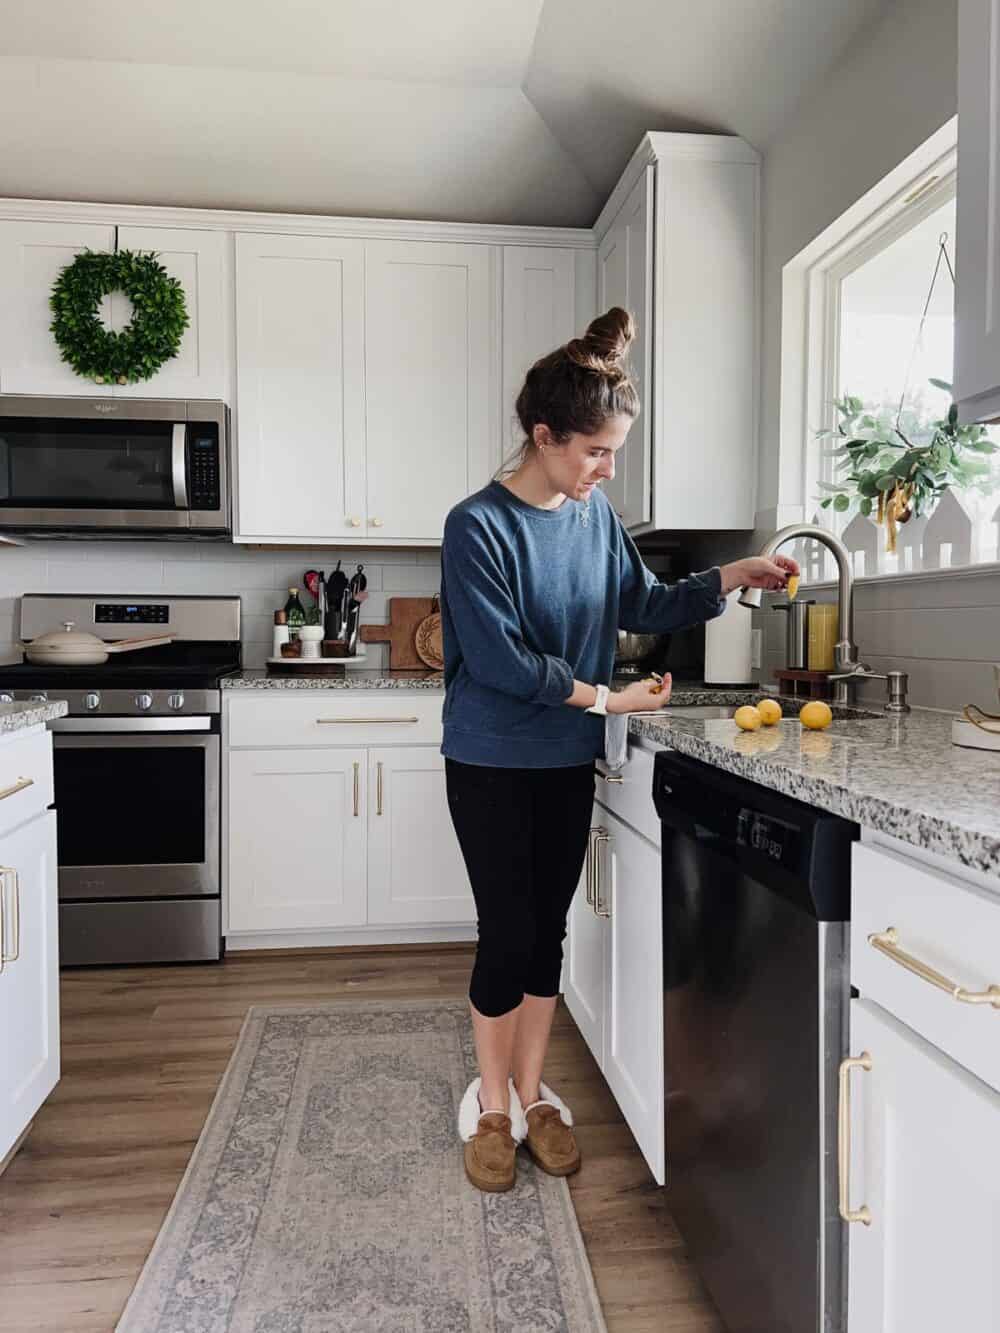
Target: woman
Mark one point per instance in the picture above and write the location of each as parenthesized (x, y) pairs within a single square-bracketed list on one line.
[(538, 575)]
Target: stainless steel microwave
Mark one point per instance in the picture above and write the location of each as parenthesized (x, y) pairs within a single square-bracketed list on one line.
[(114, 467)]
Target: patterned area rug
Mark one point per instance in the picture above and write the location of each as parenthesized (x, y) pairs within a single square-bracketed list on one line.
[(326, 1194)]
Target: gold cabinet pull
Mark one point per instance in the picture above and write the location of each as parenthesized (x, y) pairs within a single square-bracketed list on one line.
[(378, 787), (361, 721), (589, 866), (603, 839), (357, 788), (849, 1214), (887, 942), (19, 785), (11, 957), (610, 777)]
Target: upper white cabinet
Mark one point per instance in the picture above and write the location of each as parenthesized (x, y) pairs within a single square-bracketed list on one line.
[(200, 261), (539, 314), (300, 392), (428, 343), (624, 278), (695, 287), (31, 257), (977, 268)]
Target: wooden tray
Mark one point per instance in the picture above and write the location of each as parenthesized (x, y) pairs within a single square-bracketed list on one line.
[(405, 614), (809, 684)]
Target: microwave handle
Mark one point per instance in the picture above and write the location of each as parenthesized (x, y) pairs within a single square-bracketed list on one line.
[(179, 461)]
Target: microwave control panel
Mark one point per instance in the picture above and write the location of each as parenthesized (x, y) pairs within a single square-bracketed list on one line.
[(203, 467)]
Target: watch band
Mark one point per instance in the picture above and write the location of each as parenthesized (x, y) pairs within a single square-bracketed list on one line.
[(600, 705)]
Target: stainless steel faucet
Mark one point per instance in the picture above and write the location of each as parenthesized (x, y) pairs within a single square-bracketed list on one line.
[(845, 654)]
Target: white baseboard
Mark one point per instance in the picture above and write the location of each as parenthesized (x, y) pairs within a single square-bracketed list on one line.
[(327, 939)]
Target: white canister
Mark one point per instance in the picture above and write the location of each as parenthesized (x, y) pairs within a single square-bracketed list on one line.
[(311, 638), (281, 632), (728, 645)]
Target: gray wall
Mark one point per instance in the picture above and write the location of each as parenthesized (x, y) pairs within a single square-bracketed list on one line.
[(260, 578), (945, 632), (895, 85)]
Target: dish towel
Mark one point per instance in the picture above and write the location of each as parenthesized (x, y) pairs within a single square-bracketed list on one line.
[(616, 736)]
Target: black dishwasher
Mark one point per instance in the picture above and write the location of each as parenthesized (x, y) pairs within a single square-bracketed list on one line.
[(756, 897)]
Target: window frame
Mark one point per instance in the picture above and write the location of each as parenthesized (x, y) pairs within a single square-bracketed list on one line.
[(810, 324)]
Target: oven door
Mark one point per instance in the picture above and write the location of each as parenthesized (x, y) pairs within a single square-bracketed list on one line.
[(138, 809)]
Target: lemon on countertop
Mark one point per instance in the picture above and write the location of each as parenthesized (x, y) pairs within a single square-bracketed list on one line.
[(747, 718), (770, 711), (816, 715)]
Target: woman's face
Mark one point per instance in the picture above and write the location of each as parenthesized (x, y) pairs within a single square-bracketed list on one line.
[(584, 461)]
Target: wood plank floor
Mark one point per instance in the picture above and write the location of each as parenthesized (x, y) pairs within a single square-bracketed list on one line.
[(143, 1051)]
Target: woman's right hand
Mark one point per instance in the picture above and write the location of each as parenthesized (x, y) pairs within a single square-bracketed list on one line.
[(639, 698)]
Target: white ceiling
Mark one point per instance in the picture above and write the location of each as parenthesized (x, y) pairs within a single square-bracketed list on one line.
[(521, 111)]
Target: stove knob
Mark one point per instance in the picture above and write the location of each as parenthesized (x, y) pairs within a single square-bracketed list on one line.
[(143, 702), (91, 701), (6, 698), (40, 698), (175, 701)]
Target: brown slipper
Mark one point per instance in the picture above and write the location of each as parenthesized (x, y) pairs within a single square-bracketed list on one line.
[(550, 1138), (491, 1140)]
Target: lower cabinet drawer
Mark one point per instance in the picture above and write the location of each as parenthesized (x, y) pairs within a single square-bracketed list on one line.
[(25, 778), (337, 717), (926, 946), (628, 793)]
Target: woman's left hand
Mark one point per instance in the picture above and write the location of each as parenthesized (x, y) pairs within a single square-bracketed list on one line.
[(757, 571)]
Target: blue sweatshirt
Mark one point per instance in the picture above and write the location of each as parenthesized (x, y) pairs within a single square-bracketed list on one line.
[(532, 599)]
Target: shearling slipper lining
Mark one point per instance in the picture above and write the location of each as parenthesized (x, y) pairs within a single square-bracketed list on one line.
[(469, 1112), (565, 1114)]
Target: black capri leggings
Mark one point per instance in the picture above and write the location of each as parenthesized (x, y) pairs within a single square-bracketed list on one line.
[(523, 834)]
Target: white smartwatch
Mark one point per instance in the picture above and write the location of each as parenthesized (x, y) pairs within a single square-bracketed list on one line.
[(600, 705)]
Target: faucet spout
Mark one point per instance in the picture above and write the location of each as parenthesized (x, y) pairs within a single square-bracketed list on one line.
[(845, 652)]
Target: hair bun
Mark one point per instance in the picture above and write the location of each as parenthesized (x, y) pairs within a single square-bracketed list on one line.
[(604, 346)]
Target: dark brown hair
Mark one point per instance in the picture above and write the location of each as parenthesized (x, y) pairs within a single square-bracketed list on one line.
[(577, 388)]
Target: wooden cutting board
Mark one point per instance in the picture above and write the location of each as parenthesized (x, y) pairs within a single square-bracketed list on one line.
[(405, 614)]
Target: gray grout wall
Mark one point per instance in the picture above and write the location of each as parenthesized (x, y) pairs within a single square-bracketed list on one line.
[(260, 578), (943, 631)]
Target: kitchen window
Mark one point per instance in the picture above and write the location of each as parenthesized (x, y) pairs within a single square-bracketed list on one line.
[(873, 300)]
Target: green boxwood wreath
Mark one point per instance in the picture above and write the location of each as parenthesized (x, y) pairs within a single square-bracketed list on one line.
[(152, 336)]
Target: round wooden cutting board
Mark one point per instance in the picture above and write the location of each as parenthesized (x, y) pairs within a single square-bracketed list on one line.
[(429, 643)]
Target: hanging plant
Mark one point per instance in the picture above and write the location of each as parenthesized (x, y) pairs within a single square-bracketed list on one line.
[(893, 476), (152, 336), (898, 468)]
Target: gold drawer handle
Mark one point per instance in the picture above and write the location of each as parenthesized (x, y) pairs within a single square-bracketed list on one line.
[(19, 785), (11, 957), (849, 1214), (887, 942), (602, 839), (360, 721), (589, 866), (611, 777)]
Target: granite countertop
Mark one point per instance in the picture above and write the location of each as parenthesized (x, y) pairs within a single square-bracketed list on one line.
[(256, 678), (896, 773), (19, 717)]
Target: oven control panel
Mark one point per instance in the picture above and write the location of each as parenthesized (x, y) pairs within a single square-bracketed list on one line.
[(135, 613)]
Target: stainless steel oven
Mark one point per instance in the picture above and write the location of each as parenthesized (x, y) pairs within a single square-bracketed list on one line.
[(114, 467), (138, 837)]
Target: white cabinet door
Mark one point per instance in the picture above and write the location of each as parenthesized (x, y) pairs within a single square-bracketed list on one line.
[(29, 983), (297, 840), (300, 387), (415, 869), (31, 257), (628, 890), (539, 315), (428, 350), (924, 1162), (584, 972), (977, 267), (625, 278), (197, 259)]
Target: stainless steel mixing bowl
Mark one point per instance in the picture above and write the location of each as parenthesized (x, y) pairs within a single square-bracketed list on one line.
[(632, 649)]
